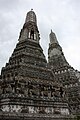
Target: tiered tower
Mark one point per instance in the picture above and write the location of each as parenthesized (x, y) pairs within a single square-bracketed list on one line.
[(28, 85), (64, 73)]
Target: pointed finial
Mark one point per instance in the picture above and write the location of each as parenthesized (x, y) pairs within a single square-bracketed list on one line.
[(51, 30), (31, 17), (53, 38), (31, 9)]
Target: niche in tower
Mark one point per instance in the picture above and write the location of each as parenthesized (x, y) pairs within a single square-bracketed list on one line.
[(32, 34)]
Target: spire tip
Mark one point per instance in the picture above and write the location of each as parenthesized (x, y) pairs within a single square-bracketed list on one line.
[(51, 30), (31, 9)]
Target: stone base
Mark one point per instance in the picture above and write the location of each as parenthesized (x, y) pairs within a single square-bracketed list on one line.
[(25, 116)]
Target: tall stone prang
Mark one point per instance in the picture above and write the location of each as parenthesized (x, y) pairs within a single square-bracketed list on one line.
[(56, 57), (30, 88), (64, 73)]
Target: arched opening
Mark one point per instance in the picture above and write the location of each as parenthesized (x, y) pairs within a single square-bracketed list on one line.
[(32, 34)]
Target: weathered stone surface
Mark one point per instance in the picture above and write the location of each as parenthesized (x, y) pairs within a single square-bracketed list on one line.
[(31, 88)]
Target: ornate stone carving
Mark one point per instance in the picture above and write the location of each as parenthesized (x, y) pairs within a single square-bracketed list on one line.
[(30, 88)]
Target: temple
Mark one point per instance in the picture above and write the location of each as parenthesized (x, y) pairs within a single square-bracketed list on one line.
[(32, 88)]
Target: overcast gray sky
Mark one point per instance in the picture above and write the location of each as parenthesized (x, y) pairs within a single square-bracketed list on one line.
[(62, 16)]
